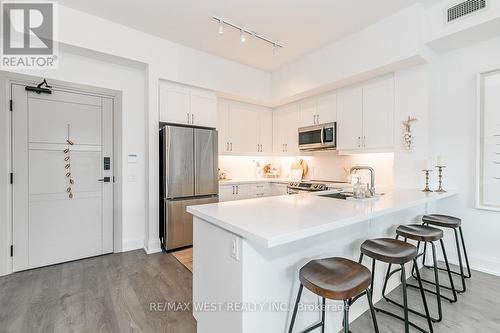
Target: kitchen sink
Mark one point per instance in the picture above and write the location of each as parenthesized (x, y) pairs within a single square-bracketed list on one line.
[(340, 195)]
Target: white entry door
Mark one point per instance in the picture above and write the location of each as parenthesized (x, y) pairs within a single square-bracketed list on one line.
[(62, 154)]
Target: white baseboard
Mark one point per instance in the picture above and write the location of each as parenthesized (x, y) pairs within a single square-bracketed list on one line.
[(484, 264), (153, 246), (132, 244)]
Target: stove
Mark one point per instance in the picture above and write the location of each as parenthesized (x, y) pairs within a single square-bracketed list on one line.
[(314, 186)]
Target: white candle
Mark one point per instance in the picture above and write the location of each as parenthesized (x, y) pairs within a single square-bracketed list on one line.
[(426, 165), (440, 161)]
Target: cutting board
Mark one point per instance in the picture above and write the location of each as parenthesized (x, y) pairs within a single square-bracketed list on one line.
[(299, 169)]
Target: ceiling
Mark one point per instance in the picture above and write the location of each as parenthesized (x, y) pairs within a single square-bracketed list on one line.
[(302, 26)]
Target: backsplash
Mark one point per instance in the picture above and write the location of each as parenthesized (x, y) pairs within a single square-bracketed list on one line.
[(326, 165)]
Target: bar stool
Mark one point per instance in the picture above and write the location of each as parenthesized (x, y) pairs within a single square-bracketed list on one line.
[(336, 279), (426, 234), (454, 223), (396, 252)]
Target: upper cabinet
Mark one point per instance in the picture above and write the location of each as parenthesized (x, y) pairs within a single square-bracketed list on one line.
[(318, 110), (364, 114), (365, 117), (185, 105), (349, 119), (286, 122), (244, 128), (378, 115)]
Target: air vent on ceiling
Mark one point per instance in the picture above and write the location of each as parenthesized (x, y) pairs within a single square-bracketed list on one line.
[(465, 8)]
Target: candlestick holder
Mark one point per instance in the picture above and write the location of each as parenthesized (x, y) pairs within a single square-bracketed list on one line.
[(427, 173), (440, 175)]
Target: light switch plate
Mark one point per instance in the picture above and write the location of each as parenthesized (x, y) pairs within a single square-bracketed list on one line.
[(132, 158), (235, 249)]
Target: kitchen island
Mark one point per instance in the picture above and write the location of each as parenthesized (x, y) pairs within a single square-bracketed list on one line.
[(247, 254)]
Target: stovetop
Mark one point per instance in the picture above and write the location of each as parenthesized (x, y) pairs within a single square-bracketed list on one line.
[(315, 185)]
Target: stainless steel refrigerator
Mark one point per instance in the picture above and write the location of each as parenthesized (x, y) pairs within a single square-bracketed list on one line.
[(188, 176)]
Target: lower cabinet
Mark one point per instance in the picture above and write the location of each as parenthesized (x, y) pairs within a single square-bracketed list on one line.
[(232, 192), (249, 191), (278, 189)]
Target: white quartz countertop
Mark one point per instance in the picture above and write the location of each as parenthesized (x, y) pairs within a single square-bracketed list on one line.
[(242, 181), (275, 221)]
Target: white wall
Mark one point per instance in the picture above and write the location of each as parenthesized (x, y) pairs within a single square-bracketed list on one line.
[(90, 38), (130, 80), (381, 48), (476, 27), (453, 135), (411, 91)]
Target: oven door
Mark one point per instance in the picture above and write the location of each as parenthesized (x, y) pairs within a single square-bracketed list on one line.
[(318, 137)]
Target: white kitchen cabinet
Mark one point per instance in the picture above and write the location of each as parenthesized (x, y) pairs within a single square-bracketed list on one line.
[(308, 113), (226, 193), (244, 128), (285, 129), (278, 189), (249, 191), (349, 119), (233, 192), (378, 115), (174, 103), (318, 110), (203, 108), (365, 117), (266, 131), (326, 109), (259, 190), (223, 128), (185, 105)]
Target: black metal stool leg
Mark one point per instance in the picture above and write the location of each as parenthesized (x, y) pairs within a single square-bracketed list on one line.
[(469, 274), (372, 310), (452, 284), (448, 270), (426, 308), (464, 287), (461, 273), (346, 316), (425, 254), (323, 309), (418, 254), (296, 307), (405, 300), (387, 276), (436, 279)]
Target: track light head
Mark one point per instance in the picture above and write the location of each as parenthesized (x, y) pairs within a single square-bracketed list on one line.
[(242, 36), (221, 27)]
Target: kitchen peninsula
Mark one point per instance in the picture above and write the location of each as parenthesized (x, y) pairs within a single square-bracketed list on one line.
[(247, 254)]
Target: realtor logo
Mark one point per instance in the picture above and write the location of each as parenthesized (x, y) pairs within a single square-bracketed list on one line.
[(28, 35)]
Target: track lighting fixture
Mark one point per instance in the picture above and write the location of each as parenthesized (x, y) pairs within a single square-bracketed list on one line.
[(243, 32), (221, 27)]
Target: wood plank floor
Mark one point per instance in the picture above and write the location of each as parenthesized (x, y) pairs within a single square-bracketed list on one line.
[(103, 294), (113, 294), (185, 257)]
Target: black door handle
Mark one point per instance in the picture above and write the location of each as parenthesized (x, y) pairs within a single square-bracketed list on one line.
[(105, 180)]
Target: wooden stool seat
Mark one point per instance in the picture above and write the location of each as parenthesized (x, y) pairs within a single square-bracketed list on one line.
[(389, 250), (442, 220), (335, 278), (419, 232)]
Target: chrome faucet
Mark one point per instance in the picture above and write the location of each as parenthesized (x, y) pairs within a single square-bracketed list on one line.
[(372, 176)]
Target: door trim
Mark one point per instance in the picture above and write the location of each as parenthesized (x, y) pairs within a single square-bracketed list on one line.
[(6, 80)]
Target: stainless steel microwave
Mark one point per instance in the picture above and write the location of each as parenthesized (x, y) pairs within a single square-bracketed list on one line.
[(318, 137)]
